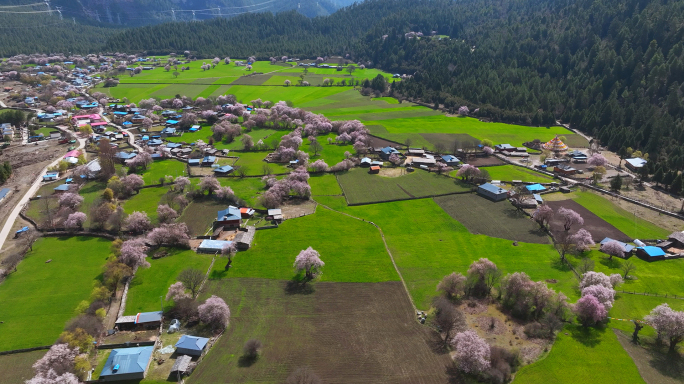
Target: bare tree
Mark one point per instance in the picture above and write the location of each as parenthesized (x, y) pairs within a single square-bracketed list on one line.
[(30, 237), (12, 261), (447, 318), (627, 267), (518, 196), (251, 348), (192, 279)]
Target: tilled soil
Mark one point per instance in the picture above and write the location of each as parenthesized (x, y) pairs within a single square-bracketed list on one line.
[(598, 227)]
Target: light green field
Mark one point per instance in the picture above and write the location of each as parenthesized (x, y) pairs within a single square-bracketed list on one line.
[(162, 168), (511, 172), (325, 184), (150, 283), (248, 189), (331, 153), (254, 162), (40, 297), (585, 355), (147, 200), (274, 250)]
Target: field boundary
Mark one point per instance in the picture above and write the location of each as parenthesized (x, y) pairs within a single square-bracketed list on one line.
[(15, 351), (408, 198), (382, 235)]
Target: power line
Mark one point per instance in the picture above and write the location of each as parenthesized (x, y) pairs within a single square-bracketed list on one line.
[(22, 5)]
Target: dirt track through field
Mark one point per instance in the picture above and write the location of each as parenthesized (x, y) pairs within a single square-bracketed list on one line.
[(344, 332), (598, 227)]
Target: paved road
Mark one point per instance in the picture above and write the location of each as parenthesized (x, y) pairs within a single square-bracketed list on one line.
[(31, 191)]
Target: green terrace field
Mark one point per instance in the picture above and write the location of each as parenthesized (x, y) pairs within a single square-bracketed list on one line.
[(273, 250), (360, 186), (161, 168), (512, 172), (151, 283), (41, 297), (331, 153)]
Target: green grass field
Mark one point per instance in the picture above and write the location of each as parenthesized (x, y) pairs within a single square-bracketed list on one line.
[(40, 297), (331, 153), (274, 250), (623, 220), (248, 189), (162, 168), (18, 368), (511, 172), (585, 355), (325, 184), (147, 200), (359, 186), (150, 283), (254, 162)]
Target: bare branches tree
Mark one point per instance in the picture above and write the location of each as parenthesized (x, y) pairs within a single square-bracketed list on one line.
[(627, 267), (447, 318), (192, 279)]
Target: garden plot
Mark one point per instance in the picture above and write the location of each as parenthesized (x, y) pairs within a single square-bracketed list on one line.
[(598, 227), (361, 187), (344, 332), (17, 368), (495, 219)]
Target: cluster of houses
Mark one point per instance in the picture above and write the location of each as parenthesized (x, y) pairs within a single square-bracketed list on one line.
[(672, 248)]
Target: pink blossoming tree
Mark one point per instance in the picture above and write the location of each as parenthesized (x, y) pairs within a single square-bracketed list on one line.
[(472, 352), (214, 312), (309, 261)]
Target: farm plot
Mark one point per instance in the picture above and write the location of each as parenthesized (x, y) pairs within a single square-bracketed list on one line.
[(17, 368), (151, 283), (361, 187), (35, 312), (512, 172), (256, 166), (200, 215), (147, 200), (598, 227), (485, 217), (248, 189), (325, 184), (274, 250), (330, 153), (162, 168), (364, 333), (581, 355), (450, 140)]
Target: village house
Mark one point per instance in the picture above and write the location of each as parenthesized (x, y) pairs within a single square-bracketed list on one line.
[(191, 345), (650, 253), (213, 246), (127, 364), (674, 243), (140, 321), (492, 192), (564, 170), (635, 164), (228, 218), (386, 152), (208, 161), (224, 170), (244, 238), (450, 160)]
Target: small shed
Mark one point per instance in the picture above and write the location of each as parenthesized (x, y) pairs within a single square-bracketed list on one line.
[(51, 176), (244, 239), (246, 212), (191, 345), (536, 188), (143, 320), (650, 253), (212, 246), (275, 214), (127, 364), (492, 192), (366, 162), (374, 169), (450, 160), (182, 364)]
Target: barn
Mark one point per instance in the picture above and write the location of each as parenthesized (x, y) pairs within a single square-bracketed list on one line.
[(492, 192), (191, 345), (127, 364)]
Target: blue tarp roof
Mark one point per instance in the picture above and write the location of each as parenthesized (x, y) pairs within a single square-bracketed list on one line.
[(450, 158), (230, 213), (120, 113), (4, 192), (213, 245), (535, 187), (171, 121), (652, 251), (173, 145), (193, 343), (128, 360), (25, 229), (224, 169), (127, 123), (63, 187)]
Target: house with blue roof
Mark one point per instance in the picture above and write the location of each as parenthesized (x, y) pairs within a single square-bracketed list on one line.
[(191, 345), (228, 218), (171, 122), (649, 253), (168, 131), (155, 142), (535, 188), (123, 156), (62, 188), (208, 161), (626, 248), (450, 160), (195, 128), (51, 176), (127, 364), (173, 145), (224, 170), (386, 152), (492, 192), (194, 162)]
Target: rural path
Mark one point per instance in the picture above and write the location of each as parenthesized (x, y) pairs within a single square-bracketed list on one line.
[(131, 139), (382, 235), (31, 191)]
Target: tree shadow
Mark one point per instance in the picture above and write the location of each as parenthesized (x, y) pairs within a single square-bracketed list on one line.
[(454, 375), (559, 264), (246, 361), (436, 343), (610, 263), (299, 287), (587, 336), (670, 365)]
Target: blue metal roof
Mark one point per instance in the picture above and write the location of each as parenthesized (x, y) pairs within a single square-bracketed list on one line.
[(626, 247), (230, 213), (4, 192), (209, 159), (63, 187), (173, 145), (194, 161), (127, 361), (125, 155), (389, 150), (193, 343), (213, 245), (652, 251), (450, 158), (171, 121), (223, 169), (168, 130), (148, 317), (535, 187), (492, 188)]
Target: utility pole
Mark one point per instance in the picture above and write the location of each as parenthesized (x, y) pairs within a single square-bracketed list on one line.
[(47, 2), (59, 10), (97, 16), (74, 19), (193, 16), (173, 14), (219, 11), (118, 17), (161, 299)]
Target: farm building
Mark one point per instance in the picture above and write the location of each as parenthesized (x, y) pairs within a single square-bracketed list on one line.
[(230, 217), (366, 162), (224, 170), (492, 192), (564, 170), (374, 169), (194, 162), (212, 246), (418, 161), (674, 243), (168, 131), (62, 188), (123, 156), (386, 152), (143, 320), (173, 145), (450, 160), (635, 164), (504, 148), (51, 176), (415, 152), (127, 364), (536, 188), (3, 193), (626, 248), (244, 239), (650, 253), (191, 345), (275, 214), (246, 212), (182, 364)]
